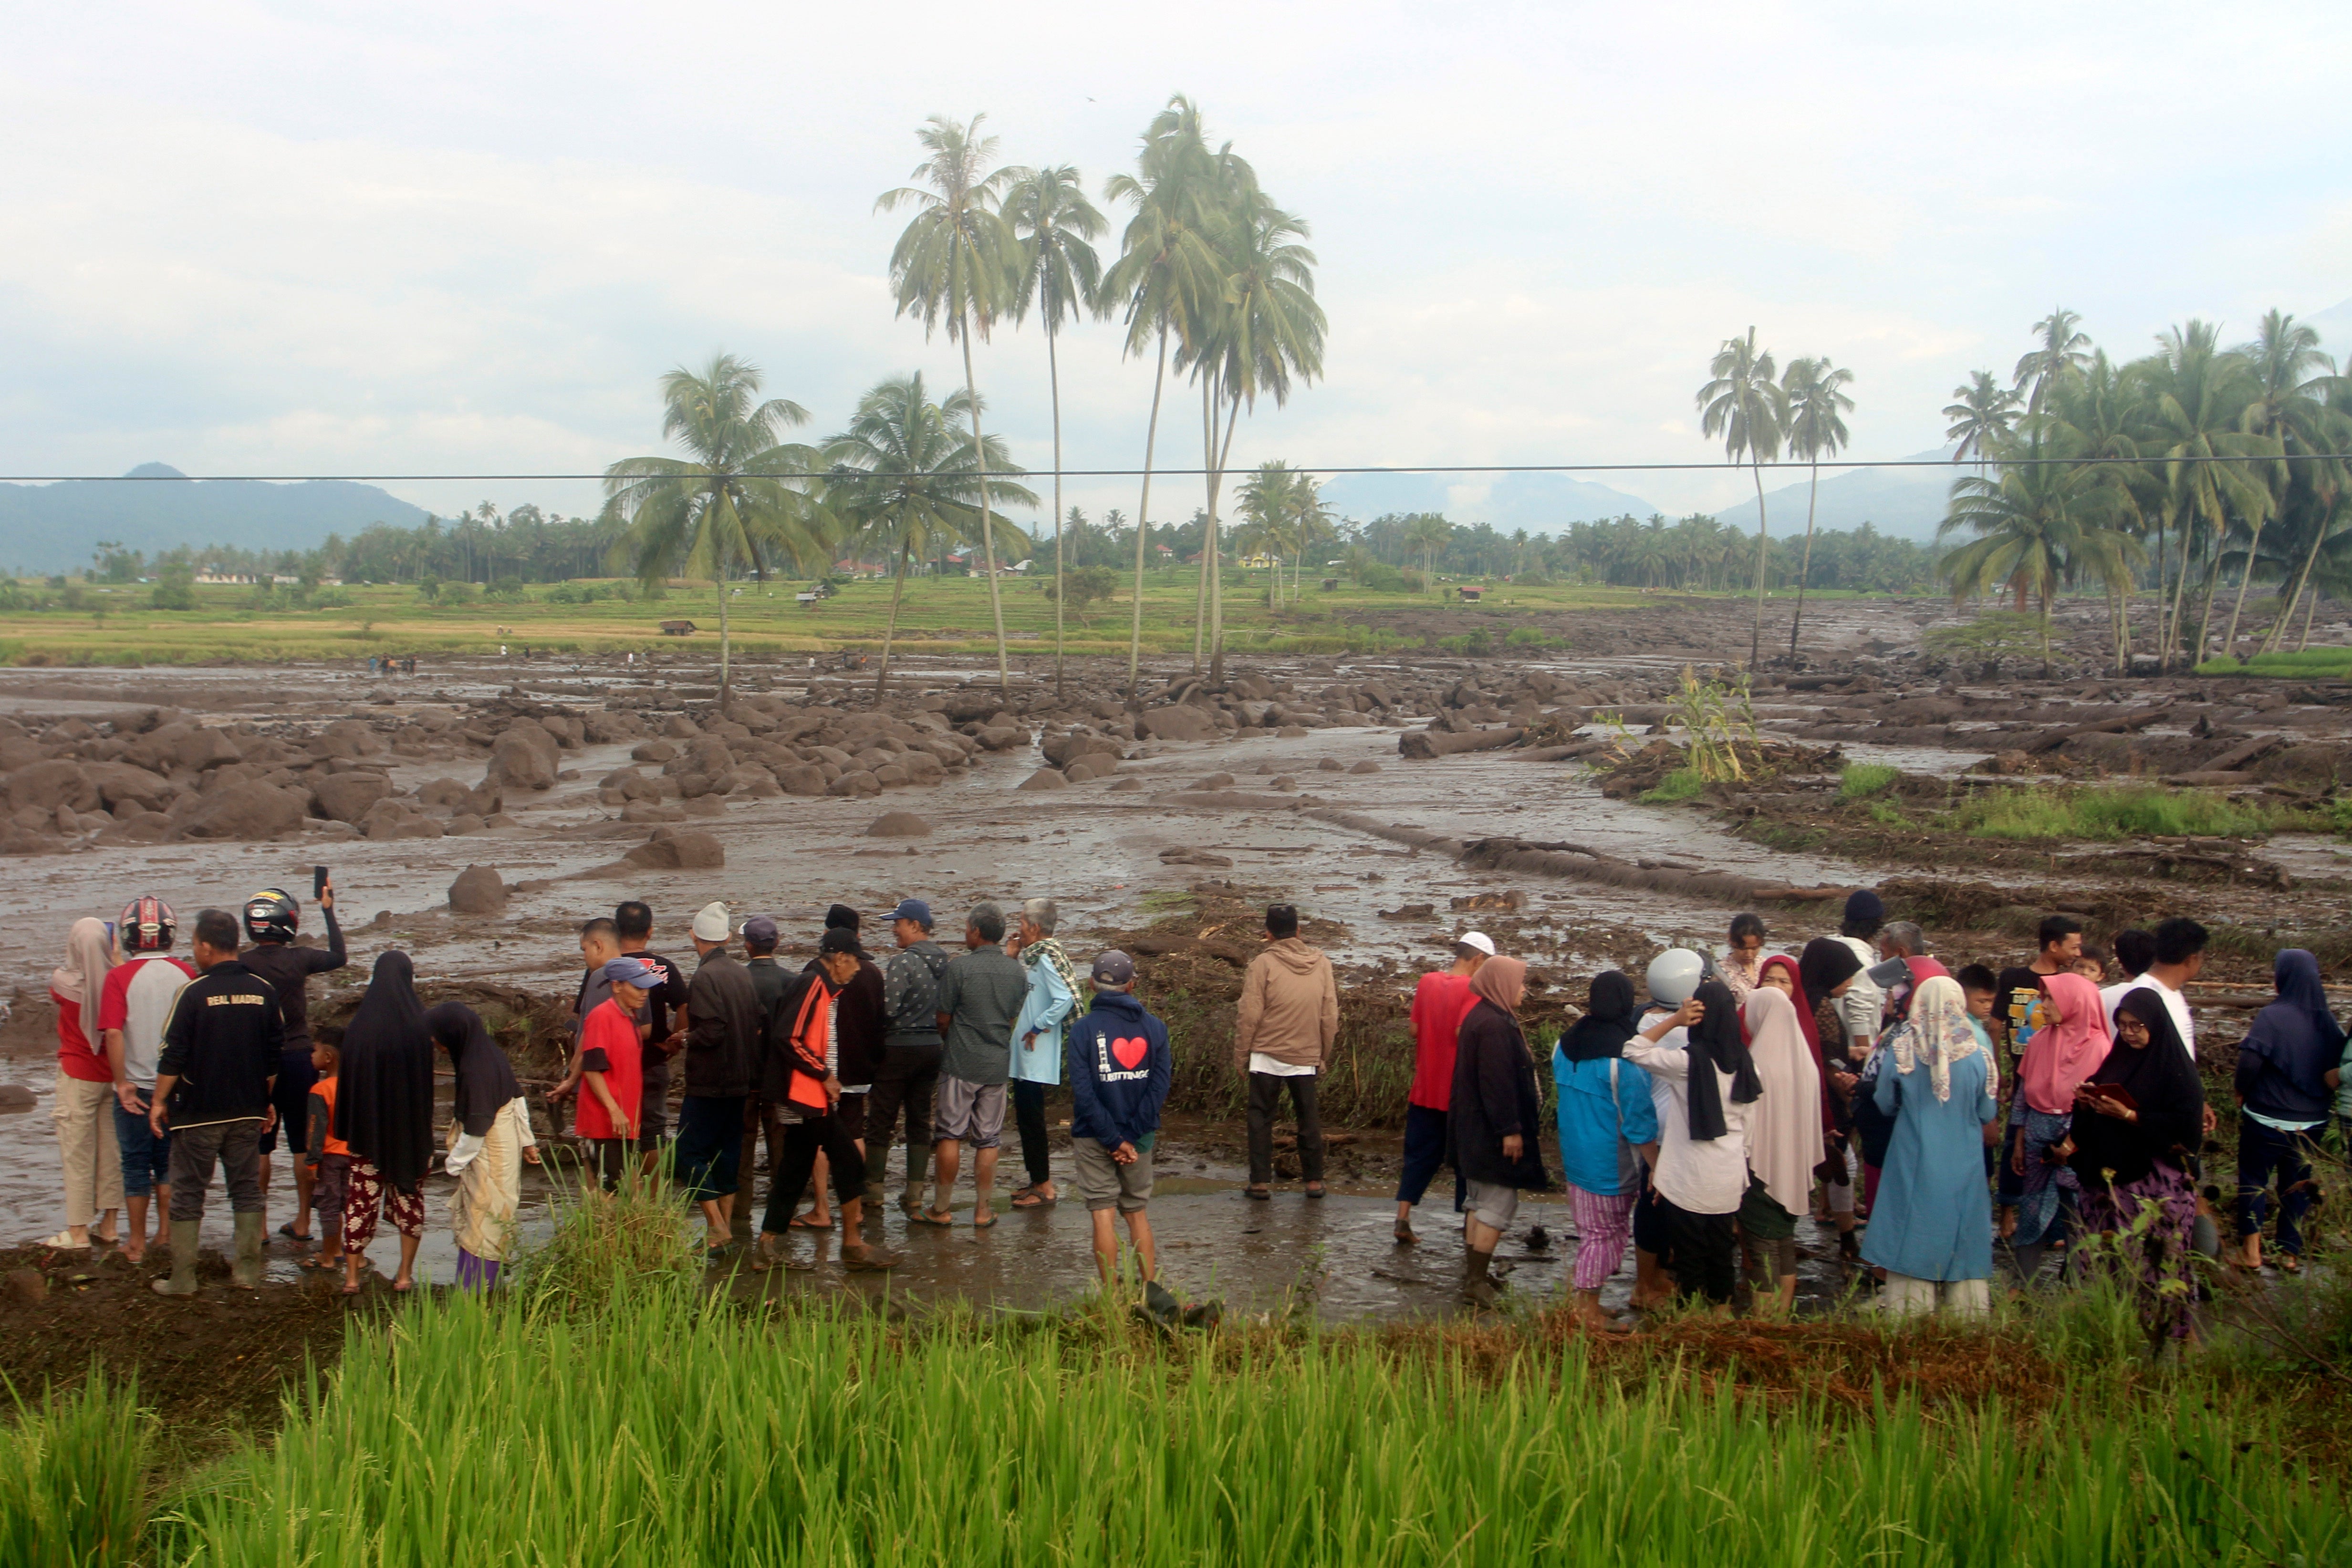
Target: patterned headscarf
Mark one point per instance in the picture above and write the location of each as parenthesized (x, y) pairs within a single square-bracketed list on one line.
[(1049, 949), (1939, 1032)]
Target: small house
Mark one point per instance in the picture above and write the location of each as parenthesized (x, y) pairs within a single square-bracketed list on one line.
[(678, 628)]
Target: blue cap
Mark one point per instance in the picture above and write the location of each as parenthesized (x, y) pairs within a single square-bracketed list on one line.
[(1113, 967), (627, 971), (913, 909)]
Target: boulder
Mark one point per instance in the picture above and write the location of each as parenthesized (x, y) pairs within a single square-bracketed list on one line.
[(1123, 785), (678, 727), (1044, 779), (46, 785), (654, 751), (1061, 750), (523, 757), (390, 819), (441, 795), (1180, 722), (202, 749), (1002, 737), (349, 797), (1366, 766), (120, 785), (856, 783), (897, 825), (248, 809), (652, 811), (484, 799), (669, 850), (802, 779), (477, 891)]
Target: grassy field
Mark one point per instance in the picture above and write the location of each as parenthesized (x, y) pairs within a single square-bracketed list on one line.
[(940, 614), (2311, 664)]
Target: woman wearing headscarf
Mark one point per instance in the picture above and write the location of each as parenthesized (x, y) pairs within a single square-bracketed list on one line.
[(489, 1138), (1784, 1144), (1931, 1229), (2070, 1039), (1607, 1120), (1828, 970), (1493, 1119), (84, 1111), (384, 1110), (2281, 1086), (1703, 1091), (2137, 1123)]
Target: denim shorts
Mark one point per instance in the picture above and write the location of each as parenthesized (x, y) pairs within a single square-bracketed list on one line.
[(146, 1158)]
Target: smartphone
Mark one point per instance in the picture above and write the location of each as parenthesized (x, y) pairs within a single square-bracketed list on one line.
[(318, 881)]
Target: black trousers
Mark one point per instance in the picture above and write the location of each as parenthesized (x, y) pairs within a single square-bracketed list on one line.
[(1425, 1155), (1264, 1099), (1706, 1252), (802, 1141), (1029, 1115), (904, 1077)]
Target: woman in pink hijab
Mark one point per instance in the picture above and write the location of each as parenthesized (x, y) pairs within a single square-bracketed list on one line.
[(2070, 1039)]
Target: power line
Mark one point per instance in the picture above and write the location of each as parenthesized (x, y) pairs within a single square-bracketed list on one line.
[(1721, 467)]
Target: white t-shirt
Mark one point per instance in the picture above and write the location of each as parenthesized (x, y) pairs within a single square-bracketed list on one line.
[(1862, 1007), (1275, 1067), (2174, 1003), (1702, 1175)]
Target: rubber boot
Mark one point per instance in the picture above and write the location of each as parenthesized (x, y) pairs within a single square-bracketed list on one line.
[(918, 1165), (2029, 1262), (877, 1166), (246, 1272), (1477, 1283), (183, 1282)]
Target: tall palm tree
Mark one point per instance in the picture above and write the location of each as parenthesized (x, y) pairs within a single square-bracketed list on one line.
[(2200, 394), (1744, 404), (1165, 273), (2060, 351), (2288, 414), (716, 510), (2031, 524), (1428, 533), (1982, 413), (1050, 213), (905, 479), (1817, 409), (958, 262)]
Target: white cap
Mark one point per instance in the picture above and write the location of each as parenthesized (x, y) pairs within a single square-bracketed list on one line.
[(1478, 939), (710, 925), (1674, 977)]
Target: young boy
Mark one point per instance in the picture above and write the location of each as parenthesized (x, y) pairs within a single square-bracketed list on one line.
[(328, 1157), (1982, 989), (611, 1067), (2093, 965), (1120, 1068)]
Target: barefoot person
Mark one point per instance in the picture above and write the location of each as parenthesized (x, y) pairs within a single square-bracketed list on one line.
[(212, 1084), (1608, 1127), (1440, 1001), (611, 1067), (1037, 1042), (723, 1042), (272, 918), (1492, 1119), (384, 1110), (141, 992), (490, 1139), (1120, 1069), (84, 1090)]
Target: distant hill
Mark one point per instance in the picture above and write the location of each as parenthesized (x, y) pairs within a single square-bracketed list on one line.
[(1540, 503), (1904, 502), (52, 527)]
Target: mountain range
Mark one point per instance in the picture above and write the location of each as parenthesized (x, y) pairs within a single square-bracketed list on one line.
[(155, 507)]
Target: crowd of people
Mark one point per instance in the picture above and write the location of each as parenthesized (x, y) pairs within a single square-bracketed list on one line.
[(1923, 1115)]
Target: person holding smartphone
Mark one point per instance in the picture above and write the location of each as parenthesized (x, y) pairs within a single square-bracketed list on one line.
[(272, 916)]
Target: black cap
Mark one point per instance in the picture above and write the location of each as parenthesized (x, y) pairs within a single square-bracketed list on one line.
[(838, 940), (841, 917)]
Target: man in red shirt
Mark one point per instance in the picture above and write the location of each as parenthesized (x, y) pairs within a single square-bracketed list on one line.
[(611, 1067), (1439, 1005)]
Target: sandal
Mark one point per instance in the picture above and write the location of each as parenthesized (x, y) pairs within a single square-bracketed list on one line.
[(291, 1234), (350, 1287), (804, 1222), (1029, 1197), (978, 1224), (1315, 1189), (924, 1217), (2288, 1263), (1258, 1193), (64, 1241)]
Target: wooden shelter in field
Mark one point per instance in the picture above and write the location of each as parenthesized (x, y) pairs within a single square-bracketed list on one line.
[(678, 628)]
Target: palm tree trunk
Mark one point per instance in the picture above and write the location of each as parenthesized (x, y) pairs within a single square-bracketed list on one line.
[(1143, 522), (2302, 578), (987, 517), (1208, 531), (1763, 546), (1217, 573), (890, 632), (2205, 619), (2178, 626), (1806, 571), (1061, 589), (2123, 625), (2245, 581), (2310, 614), (718, 571)]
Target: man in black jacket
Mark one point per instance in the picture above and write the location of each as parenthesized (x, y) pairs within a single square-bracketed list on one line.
[(861, 1018), (724, 1038), (212, 1084), (272, 918)]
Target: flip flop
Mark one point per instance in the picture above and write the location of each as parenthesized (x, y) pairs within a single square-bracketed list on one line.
[(351, 1289), (1027, 1199), (63, 1240), (1258, 1193), (983, 1224), (287, 1230), (1315, 1190), (803, 1222), (404, 1290), (923, 1216)]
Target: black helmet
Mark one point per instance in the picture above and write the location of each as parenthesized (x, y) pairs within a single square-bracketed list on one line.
[(272, 915), (147, 926)]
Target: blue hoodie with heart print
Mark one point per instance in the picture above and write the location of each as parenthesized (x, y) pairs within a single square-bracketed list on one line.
[(1120, 1068)]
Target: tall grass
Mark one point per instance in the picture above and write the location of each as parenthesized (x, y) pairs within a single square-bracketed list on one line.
[(2308, 663), (666, 1430), (2130, 812), (73, 1477), (1859, 780)]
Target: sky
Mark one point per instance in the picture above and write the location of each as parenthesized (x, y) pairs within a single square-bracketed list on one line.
[(320, 238)]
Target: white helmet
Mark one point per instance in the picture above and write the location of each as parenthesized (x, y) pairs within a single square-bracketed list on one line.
[(1674, 977)]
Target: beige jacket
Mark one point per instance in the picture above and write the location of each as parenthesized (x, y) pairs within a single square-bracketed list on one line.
[(1290, 1006)]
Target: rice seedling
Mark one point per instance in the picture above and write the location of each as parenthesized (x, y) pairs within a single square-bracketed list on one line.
[(664, 1428), (2133, 811), (73, 1477)]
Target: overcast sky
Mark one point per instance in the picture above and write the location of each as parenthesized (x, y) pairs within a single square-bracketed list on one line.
[(375, 238)]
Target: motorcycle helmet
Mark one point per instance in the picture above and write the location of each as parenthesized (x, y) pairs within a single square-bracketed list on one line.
[(272, 915), (147, 924), (1674, 977)]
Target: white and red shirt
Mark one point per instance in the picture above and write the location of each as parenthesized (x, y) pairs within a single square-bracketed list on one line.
[(138, 1001)]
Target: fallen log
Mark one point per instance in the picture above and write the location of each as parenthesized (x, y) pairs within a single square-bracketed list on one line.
[(2122, 723), (2237, 757), (1421, 744), (1561, 753), (2210, 778)]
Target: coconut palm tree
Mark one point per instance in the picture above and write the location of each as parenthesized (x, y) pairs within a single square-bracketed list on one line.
[(717, 509), (1817, 405), (958, 262), (1982, 413), (1744, 404), (1165, 275), (1428, 533), (905, 479), (2201, 393), (2060, 351), (1050, 213), (2289, 414), (2031, 524)]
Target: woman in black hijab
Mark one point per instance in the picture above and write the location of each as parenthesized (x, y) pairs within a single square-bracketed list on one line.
[(2139, 1120), (1701, 1089), (490, 1139), (384, 1110), (1824, 969)]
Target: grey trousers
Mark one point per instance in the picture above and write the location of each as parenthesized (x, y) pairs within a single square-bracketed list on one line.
[(237, 1146)]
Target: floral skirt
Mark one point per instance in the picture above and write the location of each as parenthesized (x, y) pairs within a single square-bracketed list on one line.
[(2159, 1253)]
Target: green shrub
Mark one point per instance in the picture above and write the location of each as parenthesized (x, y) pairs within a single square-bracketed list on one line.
[(175, 587), (1862, 779), (506, 591), (2133, 811), (1380, 576), (1682, 784)]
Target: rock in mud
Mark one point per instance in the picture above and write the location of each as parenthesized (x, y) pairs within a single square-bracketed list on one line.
[(1122, 785), (1366, 766), (46, 785), (856, 783), (391, 818), (443, 795), (1183, 721), (248, 809), (121, 784), (16, 1097), (477, 891), (804, 778), (349, 797), (202, 749), (1044, 779), (670, 850), (524, 758), (897, 825)]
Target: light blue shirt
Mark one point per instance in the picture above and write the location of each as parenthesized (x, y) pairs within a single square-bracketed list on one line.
[(1045, 1010)]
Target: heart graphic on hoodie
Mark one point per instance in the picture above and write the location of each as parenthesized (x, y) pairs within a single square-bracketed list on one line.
[(1128, 1052)]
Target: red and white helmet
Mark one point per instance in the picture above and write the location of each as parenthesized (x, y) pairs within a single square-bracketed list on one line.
[(147, 924)]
